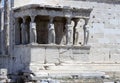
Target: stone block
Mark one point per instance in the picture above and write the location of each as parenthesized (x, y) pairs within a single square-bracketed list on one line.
[(98, 27), (93, 40), (109, 26), (99, 35), (96, 57), (52, 55), (35, 67), (38, 55), (114, 22), (81, 57), (66, 54), (115, 57), (80, 51), (103, 40)]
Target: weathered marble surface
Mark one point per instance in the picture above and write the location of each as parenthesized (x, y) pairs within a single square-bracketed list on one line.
[(104, 40), (79, 33), (51, 34), (33, 33)]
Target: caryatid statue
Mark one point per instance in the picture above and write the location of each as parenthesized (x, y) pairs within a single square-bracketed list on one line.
[(51, 33), (86, 34), (24, 33), (33, 33), (79, 32), (69, 33)]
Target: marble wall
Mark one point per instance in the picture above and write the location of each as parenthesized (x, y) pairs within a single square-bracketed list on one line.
[(104, 40)]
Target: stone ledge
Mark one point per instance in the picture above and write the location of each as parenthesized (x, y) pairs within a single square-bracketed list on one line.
[(54, 45), (1, 55), (91, 62), (79, 67), (58, 7), (62, 74)]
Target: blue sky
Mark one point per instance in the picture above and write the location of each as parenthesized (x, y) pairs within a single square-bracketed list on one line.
[(2, 2)]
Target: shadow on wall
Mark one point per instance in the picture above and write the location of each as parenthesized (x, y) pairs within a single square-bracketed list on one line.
[(20, 63)]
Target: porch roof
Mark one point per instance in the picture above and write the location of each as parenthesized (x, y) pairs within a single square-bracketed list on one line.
[(47, 10)]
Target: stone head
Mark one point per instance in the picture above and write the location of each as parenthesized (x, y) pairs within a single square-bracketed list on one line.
[(81, 22), (51, 26), (72, 23)]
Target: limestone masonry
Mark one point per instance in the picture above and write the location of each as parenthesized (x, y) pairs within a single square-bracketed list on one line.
[(60, 37)]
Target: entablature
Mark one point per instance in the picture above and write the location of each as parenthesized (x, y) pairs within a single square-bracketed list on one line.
[(56, 11)]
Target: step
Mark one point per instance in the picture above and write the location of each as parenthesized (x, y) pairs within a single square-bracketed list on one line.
[(78, 66)]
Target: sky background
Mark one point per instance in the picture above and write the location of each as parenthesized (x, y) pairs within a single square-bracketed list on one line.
[(2, 3)]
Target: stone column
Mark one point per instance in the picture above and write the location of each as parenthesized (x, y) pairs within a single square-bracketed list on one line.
[(33, 32), (69, 31), (51, 32), (6, 28), (2, 32), (16, 31)]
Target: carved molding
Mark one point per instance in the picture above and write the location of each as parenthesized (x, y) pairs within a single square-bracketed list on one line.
[(51, 11)]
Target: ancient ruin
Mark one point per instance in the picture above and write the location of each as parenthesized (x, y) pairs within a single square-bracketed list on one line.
[(59, 39)]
